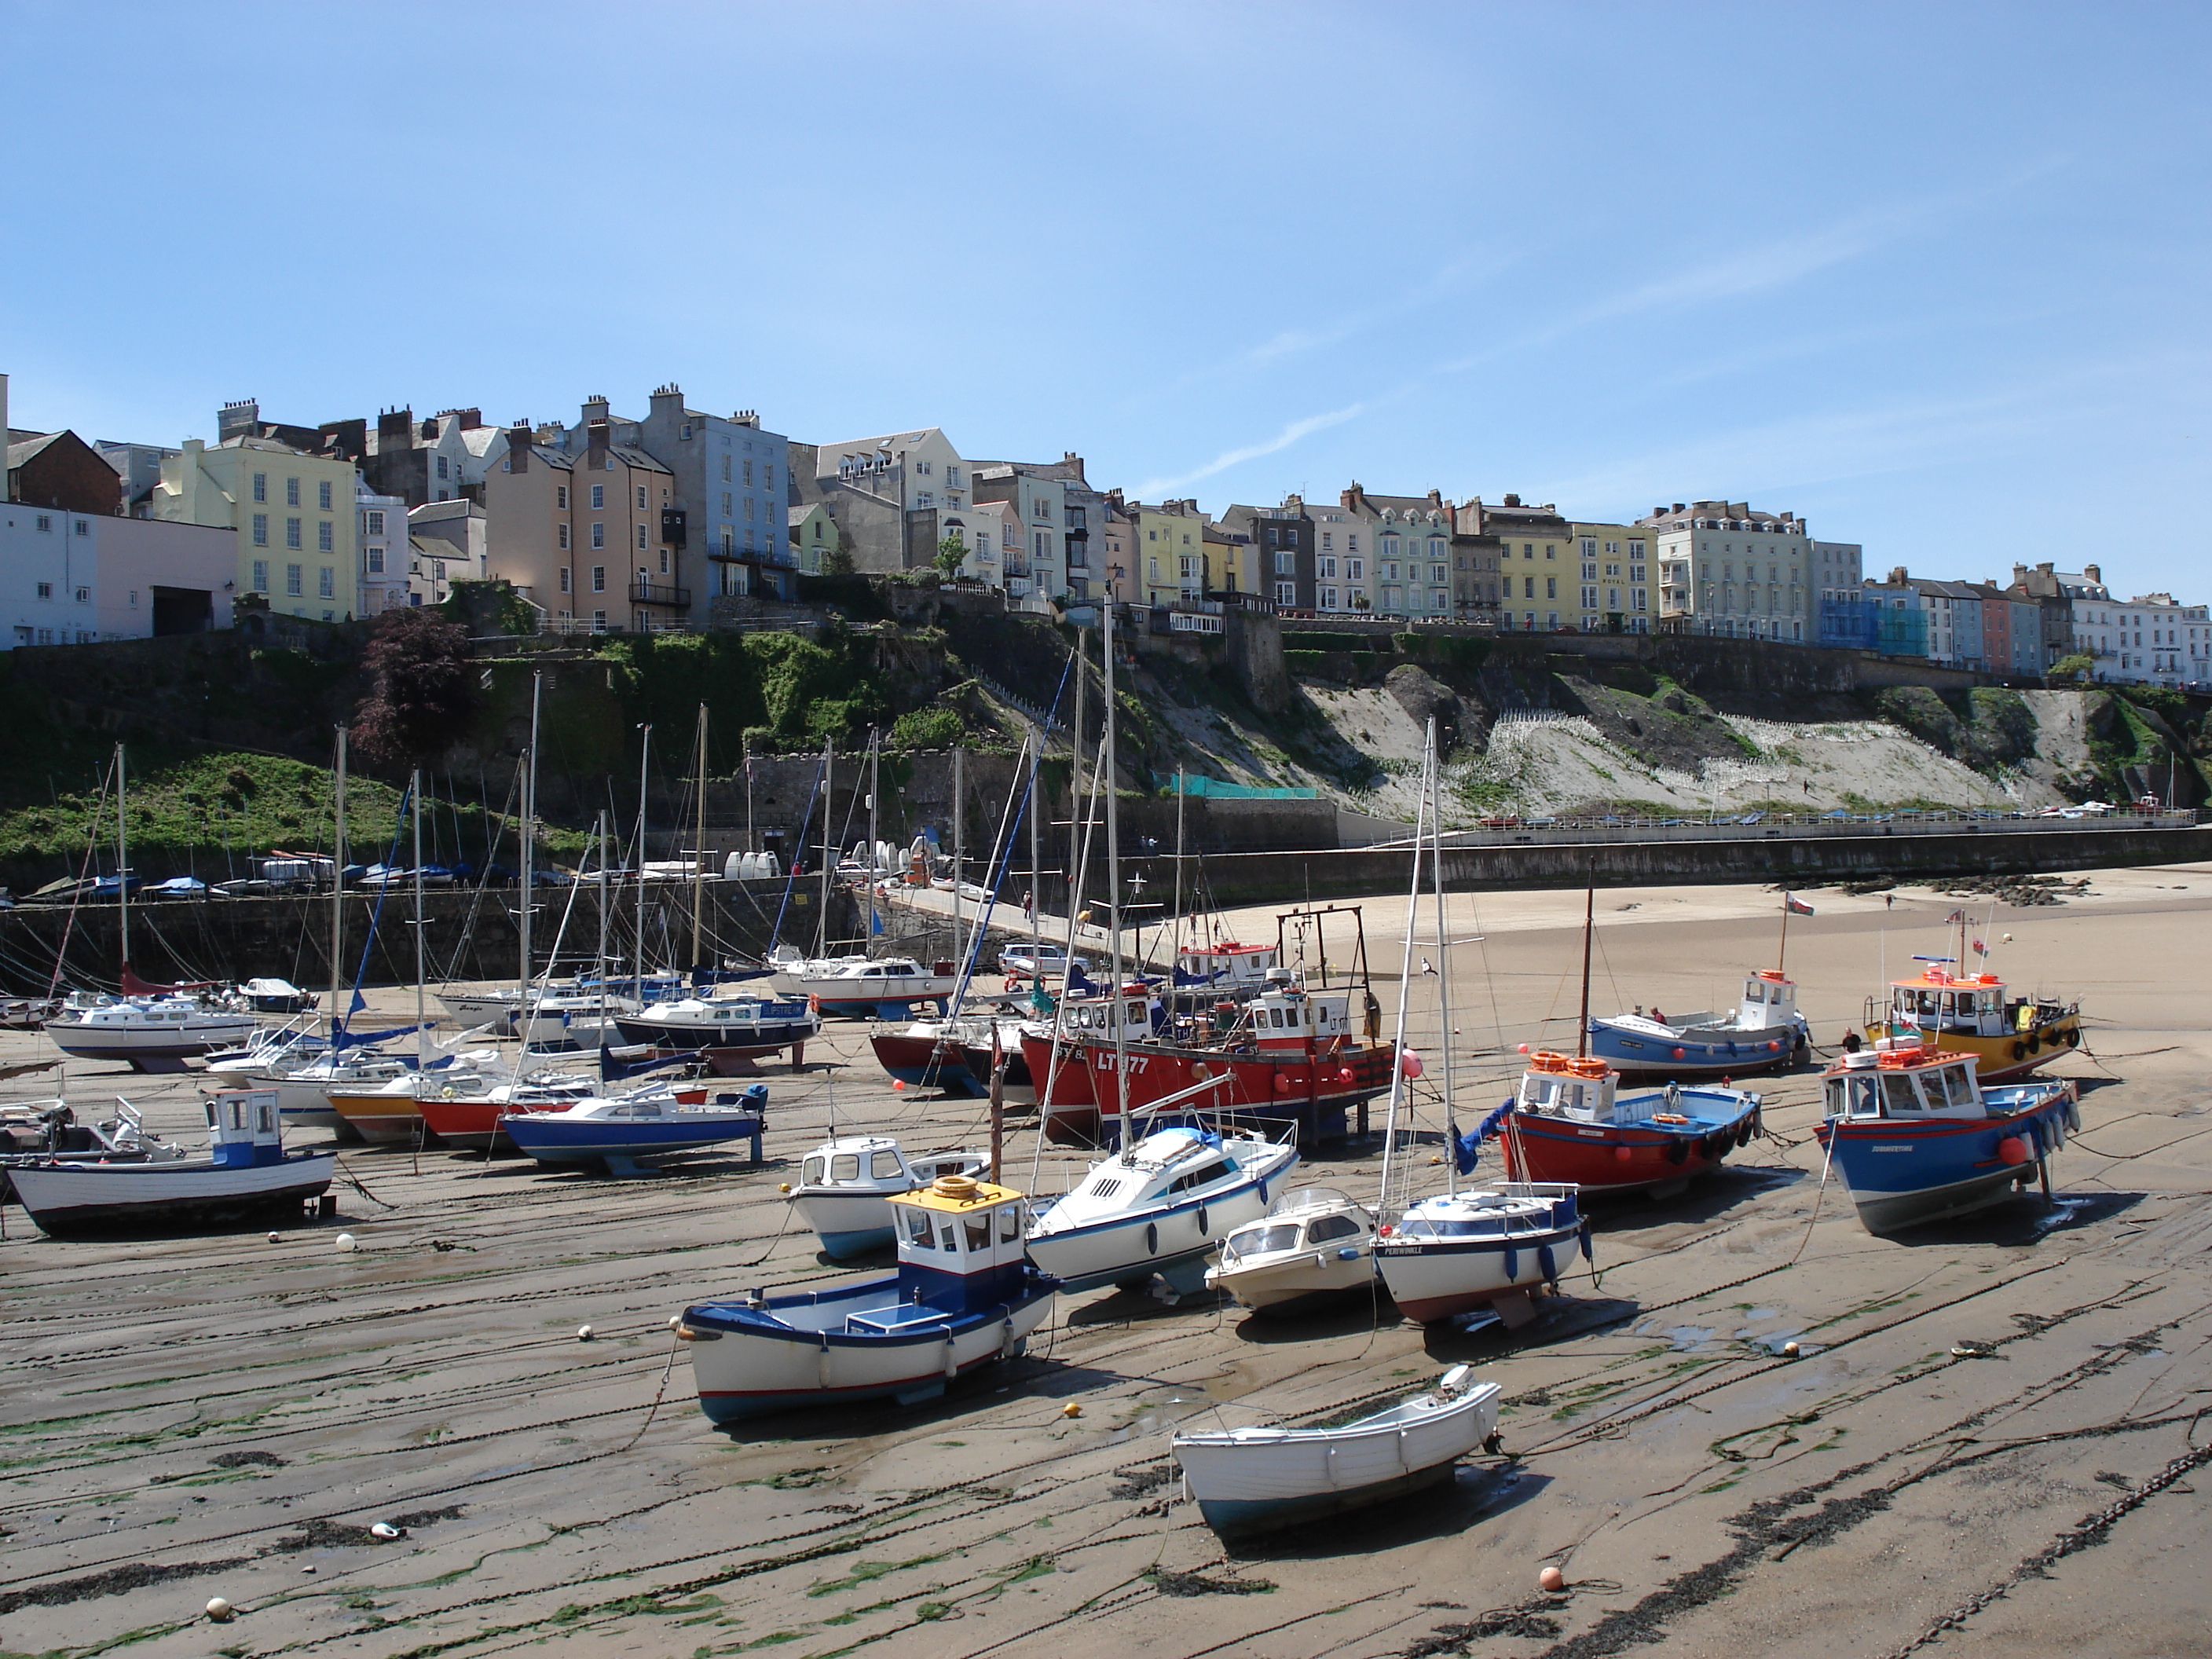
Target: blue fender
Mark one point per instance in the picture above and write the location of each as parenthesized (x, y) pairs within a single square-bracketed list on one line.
[(1512, 1263), (1544, 1261), (1589, 1253)]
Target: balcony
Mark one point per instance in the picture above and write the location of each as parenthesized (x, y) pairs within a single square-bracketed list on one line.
[(679, 598)]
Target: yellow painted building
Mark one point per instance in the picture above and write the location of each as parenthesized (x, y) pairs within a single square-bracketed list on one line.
[(297, 533), (1170, 549), (1613, 572)]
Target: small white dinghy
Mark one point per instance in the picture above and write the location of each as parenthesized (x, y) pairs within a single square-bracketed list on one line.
[(846, 1187), (1253, 1480), (1314, 1245)]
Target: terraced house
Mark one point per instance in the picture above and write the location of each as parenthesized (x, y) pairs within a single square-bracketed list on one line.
[(1728, 570)]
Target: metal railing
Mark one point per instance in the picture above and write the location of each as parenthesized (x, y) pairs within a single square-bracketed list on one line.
[(657, 593)]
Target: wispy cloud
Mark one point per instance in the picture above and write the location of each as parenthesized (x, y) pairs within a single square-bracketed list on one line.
[(1229, 457)]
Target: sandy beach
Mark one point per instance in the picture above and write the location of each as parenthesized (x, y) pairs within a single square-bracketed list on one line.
[(1984, 1444)]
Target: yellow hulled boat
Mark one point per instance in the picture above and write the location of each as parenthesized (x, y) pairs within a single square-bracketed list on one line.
[(1971, 1014)]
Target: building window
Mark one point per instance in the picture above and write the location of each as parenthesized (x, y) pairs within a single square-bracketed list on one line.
[(292, 580), (1287, 593), (323, 494), (564, 579), (261, 486), (261, 575), (292, 533), (84, 596), (561, 496), (325, 532), (641, 498), (599, 621), (327, 583), (291, 492), (376, 562), (640, 538), (598, 498), (598, 535), (83, 528), (598, 578), (45, 590), (561, 531), (375, 522)]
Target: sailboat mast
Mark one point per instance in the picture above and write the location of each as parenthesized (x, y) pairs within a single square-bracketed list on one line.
[(1175, 939), (868, 864), (1078, 814), (699, 855), (644, 758), (1589, 922), (122, 861), (959, 821), (1406, 974), (337, 878), (1444, 979), (604, 891), (1113, 878), (829, 863), (422, 1020), (1037, 845), (528, 840)]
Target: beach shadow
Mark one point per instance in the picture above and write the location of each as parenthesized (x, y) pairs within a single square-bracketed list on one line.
[(1129, 1307), (1477, 1493), (1352, 1314), (1707, 1198), (2020, 1222), (1560, 1319), (1029, 1374)]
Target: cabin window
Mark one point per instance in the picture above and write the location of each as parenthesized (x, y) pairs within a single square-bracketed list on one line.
[(978, 1228), (944, 1239), (1752, 992), (1010, 1223), (845, 1166), (1200, 1177), (211, 1115), (1331, 1226), (1955, 1084), (1897, 1092), (1261, 1241), (917, 1228), (237, 1116), (266, 1126), (884, 1166)]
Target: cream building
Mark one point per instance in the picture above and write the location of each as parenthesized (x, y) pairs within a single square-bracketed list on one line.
[(1727, 570), (1614, 577), (294, 515)]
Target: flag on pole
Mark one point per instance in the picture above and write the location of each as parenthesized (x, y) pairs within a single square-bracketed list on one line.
[(1980, 949), (1955, 917), (1796, 906)]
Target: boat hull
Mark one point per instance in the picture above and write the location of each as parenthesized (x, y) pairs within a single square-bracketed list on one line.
[(2000, 1057), (1907, 1174), (1624, 1158), (381, 1120), (1313, 1278), (548, 1138), (926, 1062), (848, 1224), (747, 1038), (1433, 1279), (1315, 1090), (752, 1364), (131, 1046), (1259, 1481), (1071, 1110), (65, 1197), (1694, 1052)]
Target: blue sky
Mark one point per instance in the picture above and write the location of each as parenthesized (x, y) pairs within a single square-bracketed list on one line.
[(1933, 276)]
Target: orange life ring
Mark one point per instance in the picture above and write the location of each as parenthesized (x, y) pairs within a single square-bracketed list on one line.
[(1591, 1068)]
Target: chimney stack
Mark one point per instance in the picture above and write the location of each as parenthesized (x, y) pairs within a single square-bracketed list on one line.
[(2093, 572), (517, 446), (6, 494), (237, 420)]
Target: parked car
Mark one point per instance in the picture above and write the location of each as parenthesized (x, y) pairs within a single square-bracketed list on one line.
[(1045, 959)]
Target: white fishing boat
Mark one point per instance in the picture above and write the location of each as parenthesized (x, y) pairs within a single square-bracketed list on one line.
[(882, 986), (247, 1172), (1457, 1251), (149, 1033), (47, 1130), (1160, 1207), (275, 996), (1255, 1479), (1317, 1244), (963, 1296), (845, 1188)]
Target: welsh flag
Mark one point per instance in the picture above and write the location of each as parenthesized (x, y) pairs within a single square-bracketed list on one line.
[(1796, 906)]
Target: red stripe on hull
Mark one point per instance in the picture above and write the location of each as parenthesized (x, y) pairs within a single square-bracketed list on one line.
[(1257, 1082)]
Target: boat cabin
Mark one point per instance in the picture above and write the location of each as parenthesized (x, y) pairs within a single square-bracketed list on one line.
[(1560, 1086), (1769, 1000), (874, 1164), (1162, 1165), (1092, 1018), (961, 1246), (1900, 1077), (1226, 967), (1313, 1218), (1964, 1005), (1284, 1017), (245, 1127)]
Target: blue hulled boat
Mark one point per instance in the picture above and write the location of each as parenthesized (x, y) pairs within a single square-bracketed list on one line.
[(618, 1133), (964, 1296), (1764, 1031), (1917, 1138)]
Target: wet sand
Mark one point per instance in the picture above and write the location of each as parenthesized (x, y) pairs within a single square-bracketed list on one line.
[(185, 1418)]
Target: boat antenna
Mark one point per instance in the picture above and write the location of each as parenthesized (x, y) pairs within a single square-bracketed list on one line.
[(1406, 977), (1590, 923)]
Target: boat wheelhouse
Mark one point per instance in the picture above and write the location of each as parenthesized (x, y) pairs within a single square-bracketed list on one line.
[(845, 1188), (1313, 1245), (1971, 1014), (1570, 1121)]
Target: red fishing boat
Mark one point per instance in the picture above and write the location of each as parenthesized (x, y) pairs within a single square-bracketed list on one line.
[(1569, 1122)]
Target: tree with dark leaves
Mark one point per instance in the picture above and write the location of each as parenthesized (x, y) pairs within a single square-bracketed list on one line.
[(421, 689)]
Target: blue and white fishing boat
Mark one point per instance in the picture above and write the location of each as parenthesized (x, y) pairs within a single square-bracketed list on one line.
[(1162, 1206), (618, 1133), (1763, 1030), (248, 1171), (845, 1188), (1917, 1138), (1255, 1479), (963, 1296)]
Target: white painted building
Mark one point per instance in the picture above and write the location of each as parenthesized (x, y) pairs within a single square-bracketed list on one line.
[(1341, 583), (2150, 640), (382, 582), (1725, 570), (74, 578)]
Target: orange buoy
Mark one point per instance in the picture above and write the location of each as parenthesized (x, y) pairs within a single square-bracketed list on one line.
[(1553, 1580)]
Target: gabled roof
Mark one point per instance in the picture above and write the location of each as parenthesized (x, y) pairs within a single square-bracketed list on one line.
[(21, 451)]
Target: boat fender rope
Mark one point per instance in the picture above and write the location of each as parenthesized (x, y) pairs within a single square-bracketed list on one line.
[(1589, 1252)]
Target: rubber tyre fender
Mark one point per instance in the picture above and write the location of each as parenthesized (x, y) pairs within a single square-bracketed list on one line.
[(2035, 1043), (1678, 1150), (1743, 1135), (2073, 1036), (2020, 1051)]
